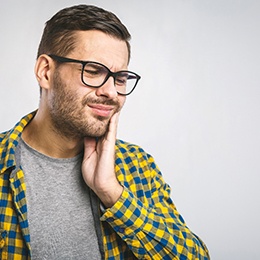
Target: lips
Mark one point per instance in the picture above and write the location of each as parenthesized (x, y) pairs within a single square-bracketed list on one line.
[(101, 110)]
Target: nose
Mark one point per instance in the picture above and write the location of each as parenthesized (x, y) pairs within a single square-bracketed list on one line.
[(108, 89)]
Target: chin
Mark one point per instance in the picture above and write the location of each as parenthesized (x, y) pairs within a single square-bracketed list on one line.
[(100, 132), (96, 130)]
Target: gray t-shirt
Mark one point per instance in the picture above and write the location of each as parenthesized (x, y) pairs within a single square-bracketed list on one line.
[(60, 219)]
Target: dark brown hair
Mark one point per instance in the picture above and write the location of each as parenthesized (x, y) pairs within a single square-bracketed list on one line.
[(59, 32)]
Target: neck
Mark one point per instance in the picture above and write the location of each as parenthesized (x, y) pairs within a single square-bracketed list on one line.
[(41, 136)]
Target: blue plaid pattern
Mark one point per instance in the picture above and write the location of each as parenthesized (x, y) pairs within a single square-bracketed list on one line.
[(143, 223)]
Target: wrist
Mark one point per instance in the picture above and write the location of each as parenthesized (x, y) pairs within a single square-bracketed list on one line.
[(111, 195)]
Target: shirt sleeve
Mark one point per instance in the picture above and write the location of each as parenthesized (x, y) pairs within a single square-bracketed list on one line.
[(147, 220)]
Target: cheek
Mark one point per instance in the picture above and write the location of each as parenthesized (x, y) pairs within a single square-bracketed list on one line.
[(121, 100), (84, 92)]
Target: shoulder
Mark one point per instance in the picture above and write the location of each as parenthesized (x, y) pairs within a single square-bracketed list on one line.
[(4, 144), (129, 152), (3, 138), (14, 134), (125, 147)]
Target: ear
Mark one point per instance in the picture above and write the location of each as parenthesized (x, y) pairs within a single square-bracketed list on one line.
[(43, 70)]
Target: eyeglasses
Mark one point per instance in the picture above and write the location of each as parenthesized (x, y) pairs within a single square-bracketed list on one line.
[(95, 75)]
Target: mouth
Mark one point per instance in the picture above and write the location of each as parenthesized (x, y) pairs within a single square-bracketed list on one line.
[(101, 110)]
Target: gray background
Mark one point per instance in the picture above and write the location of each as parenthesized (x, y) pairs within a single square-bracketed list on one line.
[(196, 109)]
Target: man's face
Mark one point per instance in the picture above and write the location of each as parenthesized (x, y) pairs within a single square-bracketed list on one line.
[(75, 109)]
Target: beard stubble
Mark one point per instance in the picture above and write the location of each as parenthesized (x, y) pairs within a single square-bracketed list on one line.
[(68, 113)]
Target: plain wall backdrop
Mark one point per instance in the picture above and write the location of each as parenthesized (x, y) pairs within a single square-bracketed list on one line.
[(196, 109)]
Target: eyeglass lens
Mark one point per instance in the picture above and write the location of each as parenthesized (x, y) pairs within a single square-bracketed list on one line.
[(95, 75)]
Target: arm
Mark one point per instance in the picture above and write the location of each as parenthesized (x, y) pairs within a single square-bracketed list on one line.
[(147, 220), (139, 210)]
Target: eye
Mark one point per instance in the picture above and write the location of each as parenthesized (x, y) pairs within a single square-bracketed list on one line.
[(94, 70), (121, 79), (91, 72)]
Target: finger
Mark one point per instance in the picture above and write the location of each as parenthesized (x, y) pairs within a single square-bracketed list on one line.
[(112, 129), (107, 142), (89, 146)]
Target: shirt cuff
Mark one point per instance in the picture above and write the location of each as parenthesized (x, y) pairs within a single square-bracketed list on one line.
[(127, 215)]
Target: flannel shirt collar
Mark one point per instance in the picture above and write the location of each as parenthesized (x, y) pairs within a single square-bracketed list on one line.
[(9, 141)]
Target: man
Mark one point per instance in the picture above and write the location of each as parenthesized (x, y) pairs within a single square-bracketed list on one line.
[(69, 188)]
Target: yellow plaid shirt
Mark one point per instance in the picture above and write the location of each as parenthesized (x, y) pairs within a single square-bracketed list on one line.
[(143, 223)]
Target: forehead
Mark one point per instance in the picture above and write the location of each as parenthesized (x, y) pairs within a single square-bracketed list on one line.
[(100, 47)]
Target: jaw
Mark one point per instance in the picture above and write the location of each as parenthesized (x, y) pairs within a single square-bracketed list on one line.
[(41, 136)]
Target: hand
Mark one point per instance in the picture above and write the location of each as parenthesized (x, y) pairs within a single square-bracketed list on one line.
[(98, 167)]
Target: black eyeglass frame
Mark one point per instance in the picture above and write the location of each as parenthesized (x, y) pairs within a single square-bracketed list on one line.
[(109, 74)]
